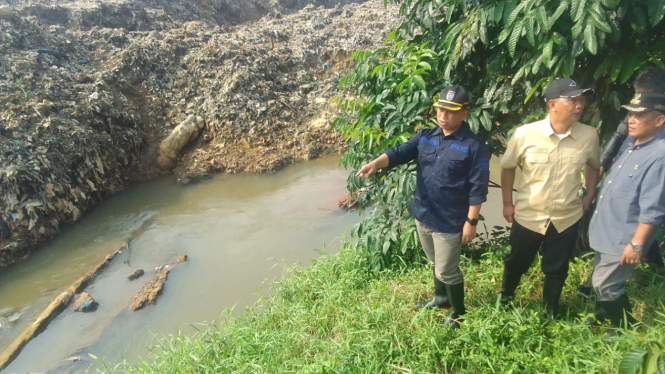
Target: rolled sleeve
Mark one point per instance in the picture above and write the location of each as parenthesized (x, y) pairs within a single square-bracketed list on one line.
[(479, 176), (403, 153), (511, 158), (652, 195)]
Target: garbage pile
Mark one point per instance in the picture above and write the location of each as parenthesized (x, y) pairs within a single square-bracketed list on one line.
[(89, 90)]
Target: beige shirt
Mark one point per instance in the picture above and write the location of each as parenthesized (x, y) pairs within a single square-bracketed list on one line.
[(551, 173)]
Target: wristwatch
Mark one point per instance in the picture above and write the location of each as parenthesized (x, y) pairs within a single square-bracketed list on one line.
[(636, 247), (472, 221)]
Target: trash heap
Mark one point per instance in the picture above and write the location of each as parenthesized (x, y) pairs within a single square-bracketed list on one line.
[(89, 90)]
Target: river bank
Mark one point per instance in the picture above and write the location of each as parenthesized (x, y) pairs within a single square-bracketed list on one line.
[(90, 90), (338, 317), (238, 232)]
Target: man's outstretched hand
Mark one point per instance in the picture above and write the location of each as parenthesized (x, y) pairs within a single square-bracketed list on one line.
[(367, 170)]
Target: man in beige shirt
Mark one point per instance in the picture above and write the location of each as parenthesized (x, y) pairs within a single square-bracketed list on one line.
[(547, 208)]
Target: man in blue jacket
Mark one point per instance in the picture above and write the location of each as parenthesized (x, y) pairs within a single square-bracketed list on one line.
[(452, 176)]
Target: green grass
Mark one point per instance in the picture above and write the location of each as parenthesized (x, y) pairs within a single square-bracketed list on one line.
[(337, 317)]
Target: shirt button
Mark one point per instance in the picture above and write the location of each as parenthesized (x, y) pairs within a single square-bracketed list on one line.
[(631, 151), (596, 211), (601, 196), (610, 182), (619, 166)]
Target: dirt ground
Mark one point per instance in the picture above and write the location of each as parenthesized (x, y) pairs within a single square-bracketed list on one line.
[(89, 90)]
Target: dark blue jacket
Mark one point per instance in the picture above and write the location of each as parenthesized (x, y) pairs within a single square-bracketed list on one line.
[(452, 173)]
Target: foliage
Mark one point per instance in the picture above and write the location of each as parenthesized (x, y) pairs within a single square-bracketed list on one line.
[(505, 52), (338, 317)]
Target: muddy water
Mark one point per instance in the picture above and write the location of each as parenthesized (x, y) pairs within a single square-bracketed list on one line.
[(238, 231)]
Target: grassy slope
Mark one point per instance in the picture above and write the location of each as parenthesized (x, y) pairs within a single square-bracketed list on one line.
[(335, 317)]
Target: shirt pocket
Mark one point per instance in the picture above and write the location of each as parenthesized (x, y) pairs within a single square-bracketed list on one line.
[(456, 163), (536, 158), (577, 158), (426, 156), (536, 165)]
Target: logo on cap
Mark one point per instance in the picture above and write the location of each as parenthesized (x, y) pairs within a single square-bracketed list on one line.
[(573, 83), (450, 95), (637, 99)]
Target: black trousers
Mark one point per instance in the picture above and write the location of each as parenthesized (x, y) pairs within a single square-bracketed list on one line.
[(557, 248)]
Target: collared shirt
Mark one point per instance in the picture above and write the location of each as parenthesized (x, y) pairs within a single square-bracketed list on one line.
[(632, 193), (551, 173), (452, 173)]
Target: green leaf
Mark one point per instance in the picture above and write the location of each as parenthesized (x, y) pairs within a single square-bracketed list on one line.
[(505, 33), (602, 68), (498, 11), (514, 14), (590, 41), (632, 361), (530, 35), (661, 363), (578, 46), (386, 247), (518, 75), (536, 65), (651, 360), (639, 20), (508, 10), (488, 120), (547, 52), (541, 16), (599, 21), (656, 11), (631, 64), (579, 15), (425, 65), (563, 5), (419, 81), (616, 68), (514, 38), (559, 40)]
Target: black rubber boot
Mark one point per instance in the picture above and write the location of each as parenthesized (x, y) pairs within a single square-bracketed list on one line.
[(599, 316), (508, 286), (440, 299), (619, 312), (586, 289), (653, 256), (552, 288), (456, 297)]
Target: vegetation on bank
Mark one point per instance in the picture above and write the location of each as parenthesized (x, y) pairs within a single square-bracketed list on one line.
[(354, 312), (339, 317)]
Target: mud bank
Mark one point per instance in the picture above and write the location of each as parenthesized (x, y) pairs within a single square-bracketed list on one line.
[(89, 90)]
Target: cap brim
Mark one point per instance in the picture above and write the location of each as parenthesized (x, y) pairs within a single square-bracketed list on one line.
[(635, 108), (577, 93), (449, 105)]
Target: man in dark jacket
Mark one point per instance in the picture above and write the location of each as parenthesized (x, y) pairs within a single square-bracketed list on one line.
[(452, 176)]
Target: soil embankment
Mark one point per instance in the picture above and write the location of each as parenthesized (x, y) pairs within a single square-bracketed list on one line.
[(89, 90)]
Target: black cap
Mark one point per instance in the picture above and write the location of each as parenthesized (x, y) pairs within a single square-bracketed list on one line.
[(646, 101), (453, 98), (564, 87)]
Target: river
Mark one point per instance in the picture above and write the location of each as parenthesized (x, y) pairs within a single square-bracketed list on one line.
[(239, 232)]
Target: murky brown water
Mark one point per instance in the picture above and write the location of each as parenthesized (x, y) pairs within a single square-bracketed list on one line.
[(238, 230)]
